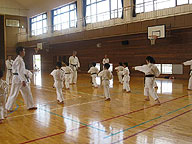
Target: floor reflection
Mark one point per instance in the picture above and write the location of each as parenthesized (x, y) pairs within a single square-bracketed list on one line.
[(37, 78), (98, 81)]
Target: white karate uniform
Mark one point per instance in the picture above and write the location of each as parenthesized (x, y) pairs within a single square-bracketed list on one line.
[(190, 79), (3, 96), (67, 70), (94, 71), (149, 69), (9, 64), (126, 79), (106, 75), (18, 68), (74, 64), (120, 73), (58, 76)]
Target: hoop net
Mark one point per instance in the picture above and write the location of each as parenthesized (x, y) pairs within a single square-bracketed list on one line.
[(153, 39)]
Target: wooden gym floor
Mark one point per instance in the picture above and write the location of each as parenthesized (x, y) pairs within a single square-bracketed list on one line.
[(86, 118)]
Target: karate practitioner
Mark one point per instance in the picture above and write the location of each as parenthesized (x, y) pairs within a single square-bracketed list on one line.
[(151, 71), (67, 70), (190, 73), (58, 76), (74, 64), (126, 78), (119, 70), (19, 83), (3, 96), (94, 71), (106, 75), (9, 63)]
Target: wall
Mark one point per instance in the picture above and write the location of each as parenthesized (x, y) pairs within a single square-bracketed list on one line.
[(10, 7), (154, 15), (2, 42), (11, 33)]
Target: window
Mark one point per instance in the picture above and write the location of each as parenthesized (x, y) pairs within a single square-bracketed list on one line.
[(101, 10), (38, 24), (181, 2), (151, 5), (166, 68), (65, 17), (159, 67)]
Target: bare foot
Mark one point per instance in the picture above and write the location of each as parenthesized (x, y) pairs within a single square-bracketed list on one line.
[(62, 102), (189, 89), (33, 108), (1, 121), (9, 110), (156, 87), (108, 99), (158, 104), (147, 99), (128, 91)]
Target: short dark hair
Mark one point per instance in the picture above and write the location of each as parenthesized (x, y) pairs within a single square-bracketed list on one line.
[(94, 64), (126, 64), (19, 49), (120, 63), (150, 59), (59, 64), (1, 73), (107, 65)]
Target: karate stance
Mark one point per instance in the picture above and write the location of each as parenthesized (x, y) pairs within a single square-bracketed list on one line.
[(67, 70), (3, 96), (58, 76), (94, 71), (119, 70), (126, 78), (19, 83), (151, 71), (9, 63), (106, 75), (190, 73), (74, 64)]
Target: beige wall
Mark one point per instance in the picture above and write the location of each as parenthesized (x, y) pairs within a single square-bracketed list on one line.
[(49, 5), (11, 7)]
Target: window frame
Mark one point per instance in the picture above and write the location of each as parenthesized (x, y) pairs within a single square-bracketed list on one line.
[(96, 2), (68, 12), (154, 2), (30, 21)]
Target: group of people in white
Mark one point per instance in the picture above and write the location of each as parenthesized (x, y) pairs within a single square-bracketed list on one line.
[(19, 78)]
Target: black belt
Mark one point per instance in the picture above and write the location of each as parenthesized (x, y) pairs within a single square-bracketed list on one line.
[(150, 75), (10, 69), (73, 65), (15, 74), (190, 71), (67, 73), (93, 73)]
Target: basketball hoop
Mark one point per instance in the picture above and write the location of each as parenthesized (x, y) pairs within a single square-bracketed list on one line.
[(153, 39)]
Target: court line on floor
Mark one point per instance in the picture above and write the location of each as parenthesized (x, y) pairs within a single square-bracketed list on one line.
[(113, 134), (102, 120), (155, 125), (100, 100), (141, 109)]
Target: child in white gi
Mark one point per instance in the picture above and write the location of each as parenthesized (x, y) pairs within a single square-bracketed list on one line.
[(94, 71), (119, 70), (58, 75), (190, 73), (9, 63), (3, 95), (67, 70), (106, 76), (151, 71), (126, 78)]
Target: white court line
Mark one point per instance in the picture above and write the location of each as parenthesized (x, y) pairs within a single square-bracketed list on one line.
[(56, 108), (79, 92)]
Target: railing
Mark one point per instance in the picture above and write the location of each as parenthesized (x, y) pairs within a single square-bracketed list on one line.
[(105, 20)]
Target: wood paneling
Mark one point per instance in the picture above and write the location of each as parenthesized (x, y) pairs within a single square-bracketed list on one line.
[(2, 43)]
